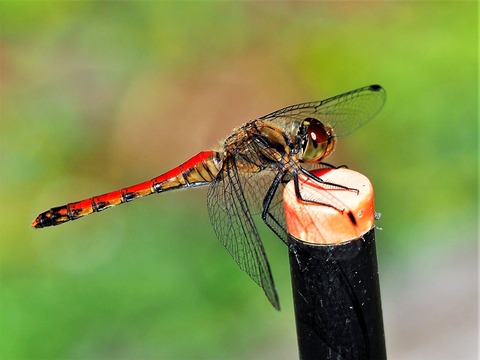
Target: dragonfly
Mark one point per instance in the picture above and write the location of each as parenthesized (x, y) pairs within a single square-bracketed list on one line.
[(247, 174)]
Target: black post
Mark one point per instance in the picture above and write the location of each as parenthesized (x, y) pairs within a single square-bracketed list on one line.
[(337, 300)]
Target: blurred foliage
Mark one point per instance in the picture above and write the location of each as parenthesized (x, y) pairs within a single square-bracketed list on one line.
[(99, 95)]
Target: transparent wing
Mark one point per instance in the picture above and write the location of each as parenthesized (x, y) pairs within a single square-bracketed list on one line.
[(235, 228), (263, 180), (345, 112)]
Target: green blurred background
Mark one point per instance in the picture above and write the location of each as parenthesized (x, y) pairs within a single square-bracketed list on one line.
[(96, 96)]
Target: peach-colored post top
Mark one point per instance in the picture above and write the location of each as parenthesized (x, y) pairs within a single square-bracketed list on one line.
[(352, 216)]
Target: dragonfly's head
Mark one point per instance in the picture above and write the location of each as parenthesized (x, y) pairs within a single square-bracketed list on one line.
[(317, 140)]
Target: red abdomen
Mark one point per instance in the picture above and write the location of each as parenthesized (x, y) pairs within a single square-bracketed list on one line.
[(200, 170)]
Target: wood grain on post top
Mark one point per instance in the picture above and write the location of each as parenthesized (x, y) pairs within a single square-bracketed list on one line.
[(319, 224)]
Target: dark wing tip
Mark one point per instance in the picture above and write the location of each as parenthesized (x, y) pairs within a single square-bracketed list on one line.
[(375, 87)]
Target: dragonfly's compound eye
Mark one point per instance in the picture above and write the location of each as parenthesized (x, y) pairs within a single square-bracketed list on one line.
[(318, 141)]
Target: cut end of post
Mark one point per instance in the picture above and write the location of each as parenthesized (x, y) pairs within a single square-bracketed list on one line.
[(338, 214)]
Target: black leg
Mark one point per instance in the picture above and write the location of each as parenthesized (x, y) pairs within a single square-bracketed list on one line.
[(320, 180), (299, 195), (267, 216)]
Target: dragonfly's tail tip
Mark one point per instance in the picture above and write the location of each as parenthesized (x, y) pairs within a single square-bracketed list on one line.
[(36, 223), (42, 220)]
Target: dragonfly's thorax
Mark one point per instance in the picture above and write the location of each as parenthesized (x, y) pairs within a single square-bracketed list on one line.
[(257, 146), (315, 141)]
